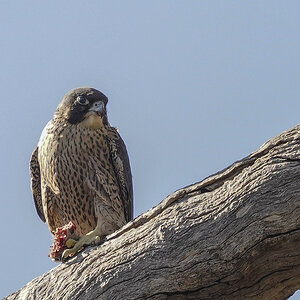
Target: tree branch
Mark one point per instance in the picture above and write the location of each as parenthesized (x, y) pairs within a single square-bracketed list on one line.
[(234, 235)]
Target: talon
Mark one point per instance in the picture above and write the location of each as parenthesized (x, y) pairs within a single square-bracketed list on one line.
[(97, 240), (67, 253)]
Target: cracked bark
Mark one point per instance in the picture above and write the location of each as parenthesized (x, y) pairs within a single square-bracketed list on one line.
[(234, 235)]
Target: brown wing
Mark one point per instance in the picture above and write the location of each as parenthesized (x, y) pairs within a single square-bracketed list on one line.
[(36, 183), (121, 164)]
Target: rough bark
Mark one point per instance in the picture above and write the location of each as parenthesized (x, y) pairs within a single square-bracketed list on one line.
[(234, 235)]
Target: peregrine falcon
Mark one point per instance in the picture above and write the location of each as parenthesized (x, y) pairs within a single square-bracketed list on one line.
[(80, 170)]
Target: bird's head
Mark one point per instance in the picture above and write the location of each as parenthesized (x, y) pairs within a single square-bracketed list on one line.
[(83, 105)]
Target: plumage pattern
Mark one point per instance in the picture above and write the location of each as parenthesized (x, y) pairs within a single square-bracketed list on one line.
[(80, 169)]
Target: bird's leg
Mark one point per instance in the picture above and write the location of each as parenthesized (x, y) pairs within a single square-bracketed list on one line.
[(92, 237), (107, 223)]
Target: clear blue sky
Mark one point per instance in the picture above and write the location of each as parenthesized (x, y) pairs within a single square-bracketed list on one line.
[(192, 86)]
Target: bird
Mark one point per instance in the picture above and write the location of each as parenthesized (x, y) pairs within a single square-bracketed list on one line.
[(80, 170)]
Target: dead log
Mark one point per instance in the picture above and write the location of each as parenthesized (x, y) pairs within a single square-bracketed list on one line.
[(234, 235)]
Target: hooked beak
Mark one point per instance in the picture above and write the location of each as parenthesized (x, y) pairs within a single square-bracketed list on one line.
[(98, 107)]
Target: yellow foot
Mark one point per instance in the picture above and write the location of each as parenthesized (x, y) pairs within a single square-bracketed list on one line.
[(70, 243), (92, 237)]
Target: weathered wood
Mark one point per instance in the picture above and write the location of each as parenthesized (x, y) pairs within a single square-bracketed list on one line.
[(234, 235)]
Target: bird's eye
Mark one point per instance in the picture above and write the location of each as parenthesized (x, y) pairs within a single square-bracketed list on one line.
[(82, 100)]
